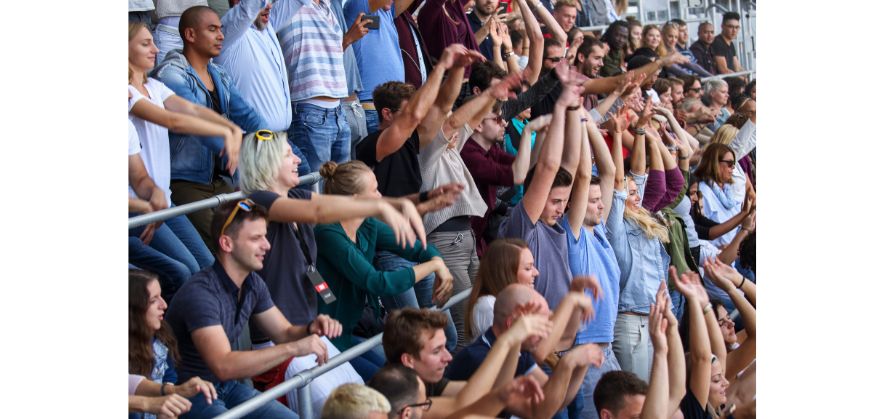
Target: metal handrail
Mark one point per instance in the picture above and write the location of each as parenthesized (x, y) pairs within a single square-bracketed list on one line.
[(163, 215), (303, 378), (722, 76)]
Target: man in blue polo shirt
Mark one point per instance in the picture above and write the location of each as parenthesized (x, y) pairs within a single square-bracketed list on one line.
[(209, 312)]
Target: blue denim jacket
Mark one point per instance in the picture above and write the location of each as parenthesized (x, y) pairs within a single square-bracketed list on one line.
[(643, 261), (193, 157)]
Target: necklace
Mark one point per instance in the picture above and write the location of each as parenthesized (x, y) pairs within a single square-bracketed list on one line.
[(446, 12)]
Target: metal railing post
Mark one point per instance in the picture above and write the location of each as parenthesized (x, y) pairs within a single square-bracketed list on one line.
[(163, 215), (305, 404)]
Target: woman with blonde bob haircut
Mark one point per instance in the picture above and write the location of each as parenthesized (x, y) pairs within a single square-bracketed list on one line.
[(506, 261), (268, 175)]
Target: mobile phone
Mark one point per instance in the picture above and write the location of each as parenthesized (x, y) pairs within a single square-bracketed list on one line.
[(502, 7), (375, 21)]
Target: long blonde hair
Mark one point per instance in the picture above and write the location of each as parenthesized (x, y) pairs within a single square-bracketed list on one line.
[(647, 223)]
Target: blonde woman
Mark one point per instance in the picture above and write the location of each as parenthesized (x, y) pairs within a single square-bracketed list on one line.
[(669, 38), (637, 239)]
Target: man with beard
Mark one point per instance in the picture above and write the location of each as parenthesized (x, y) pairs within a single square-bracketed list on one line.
[(480, 20), (196, 165)]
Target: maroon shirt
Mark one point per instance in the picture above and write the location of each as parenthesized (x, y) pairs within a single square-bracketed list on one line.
[(490, 169), (443, 23), (405, 23)]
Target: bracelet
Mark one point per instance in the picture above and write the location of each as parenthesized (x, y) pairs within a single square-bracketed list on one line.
[(742, 282), (163, 388), (573, 108), (639, 131), (684, 158), (423, 196), (707, 308), (506, 55)]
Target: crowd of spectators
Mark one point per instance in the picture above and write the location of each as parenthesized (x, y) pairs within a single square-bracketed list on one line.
[(596, 190)]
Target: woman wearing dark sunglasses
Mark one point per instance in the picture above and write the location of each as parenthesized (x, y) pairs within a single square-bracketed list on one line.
[(721, 200)]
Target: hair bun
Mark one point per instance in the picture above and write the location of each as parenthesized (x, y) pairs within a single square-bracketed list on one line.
[(327, 170)]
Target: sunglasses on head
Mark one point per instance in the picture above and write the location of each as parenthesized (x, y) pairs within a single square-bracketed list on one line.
[(245, 204), (263, 135)]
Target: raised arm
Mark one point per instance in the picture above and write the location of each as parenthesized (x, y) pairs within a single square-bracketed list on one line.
[(485, 376), (637, 154), (605, 166), (581, 189), (448, 93), (549, 22), (571, 153), (606, 104), (535, 39), (574, 306), (472, 112), (522, 162), (494, 32), (238, 19), (406, 120), (675, 360), (717, 342), (741, 357), (699, 341), (535, 197), (656, 404)]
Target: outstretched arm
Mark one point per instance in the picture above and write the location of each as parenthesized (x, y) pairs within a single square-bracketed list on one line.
[(607, 84), (448, 94)]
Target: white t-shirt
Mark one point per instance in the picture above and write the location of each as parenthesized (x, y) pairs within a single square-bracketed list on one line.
[(154, 138), (483, 314), (134, 148)]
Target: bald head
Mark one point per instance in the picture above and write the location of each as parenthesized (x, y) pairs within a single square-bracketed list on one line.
[(510, 298)]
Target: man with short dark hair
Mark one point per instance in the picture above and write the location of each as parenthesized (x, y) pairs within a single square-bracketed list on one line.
[(209, 312), (481, 19), (404, 390), (701, 49), (682, 38), (619, 394), (196, 166), (724, 52), (415, 339)]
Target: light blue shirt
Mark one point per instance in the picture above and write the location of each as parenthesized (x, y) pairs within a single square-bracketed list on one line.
[(254, 61), (719, 206), (643, 261), (592, 254), (377, 54)]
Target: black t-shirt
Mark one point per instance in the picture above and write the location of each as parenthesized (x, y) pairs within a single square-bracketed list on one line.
[(548, 103), (691, 408), (398, 174), (436, 389), (722, 49), (285, 267)]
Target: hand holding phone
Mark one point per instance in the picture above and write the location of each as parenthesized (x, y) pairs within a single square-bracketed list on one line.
[(374, 21)]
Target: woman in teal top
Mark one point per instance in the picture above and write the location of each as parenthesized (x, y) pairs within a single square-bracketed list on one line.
[(346, 249)]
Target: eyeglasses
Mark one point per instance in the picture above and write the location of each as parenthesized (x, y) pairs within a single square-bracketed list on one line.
[(554, 59), (244, 204), (263, 135), (695, 89), (425, 405), (499, 119), (730, 163)]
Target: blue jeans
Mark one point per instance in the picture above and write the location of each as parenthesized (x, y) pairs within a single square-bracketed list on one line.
[(231, 394), (419, 296), (320, 135), (367, 364), (371, 121), (592, 378), (175, 253)]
